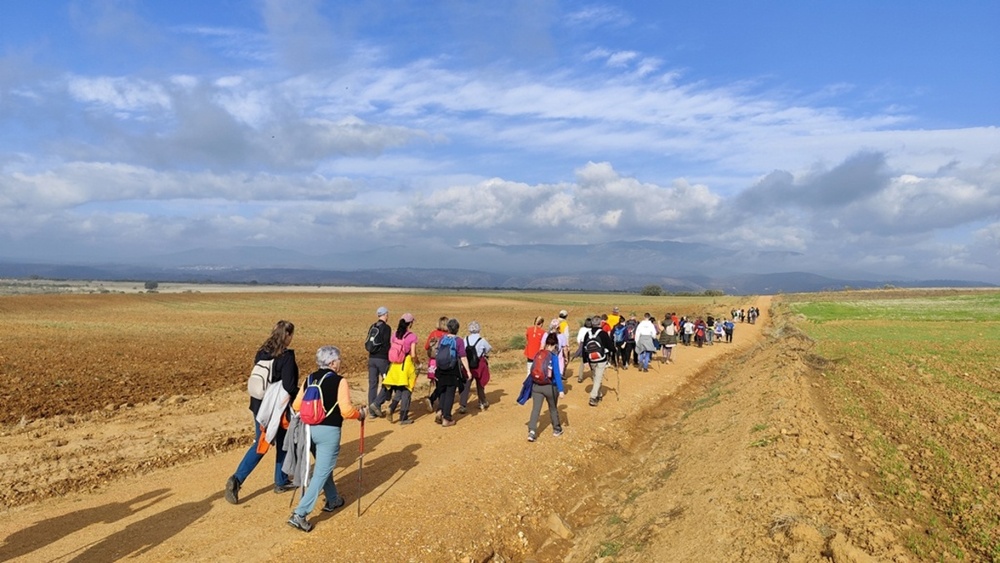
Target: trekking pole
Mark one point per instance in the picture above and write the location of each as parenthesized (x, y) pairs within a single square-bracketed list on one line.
[(361, 454), (618, 388)]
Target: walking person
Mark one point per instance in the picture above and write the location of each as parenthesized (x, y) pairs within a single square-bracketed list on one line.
[(533, 340), (477, 352), (547, 386), (668, 340), (449, 377), (629, 347), (402, 374), (588, 323), (645, 335), (618, 337), (377, 346), (431, 347), (728, 328), (336, 397), (597, 346), (285, 371)]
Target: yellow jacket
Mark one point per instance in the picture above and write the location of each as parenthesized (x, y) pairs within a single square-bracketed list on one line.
[(401, 375)]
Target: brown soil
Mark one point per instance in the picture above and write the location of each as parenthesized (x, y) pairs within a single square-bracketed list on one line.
[(724, 455)]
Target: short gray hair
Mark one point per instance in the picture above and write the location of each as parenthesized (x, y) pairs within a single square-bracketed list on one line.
[(327, 355), (474, 327)]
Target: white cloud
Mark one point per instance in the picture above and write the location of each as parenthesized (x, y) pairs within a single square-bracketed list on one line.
[(120, 94)]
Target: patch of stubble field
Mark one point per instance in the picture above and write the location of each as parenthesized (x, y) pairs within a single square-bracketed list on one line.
[(915, 378)]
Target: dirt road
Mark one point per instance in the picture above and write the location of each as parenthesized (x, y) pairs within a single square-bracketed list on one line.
[(722, 455)]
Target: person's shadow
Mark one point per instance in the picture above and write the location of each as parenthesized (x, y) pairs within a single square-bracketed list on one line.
[(373, 474), (138, 538), (45, 532)]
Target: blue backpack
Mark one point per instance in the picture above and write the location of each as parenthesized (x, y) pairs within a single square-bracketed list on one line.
[(619, 334), (447, 354)]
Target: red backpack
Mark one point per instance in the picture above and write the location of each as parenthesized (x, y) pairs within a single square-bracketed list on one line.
[(541, 368)]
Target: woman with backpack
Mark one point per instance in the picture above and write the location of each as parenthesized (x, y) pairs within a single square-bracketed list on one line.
[(547, 386), (335, 396), (451, 363), (477, 351), (402, 374), (533, 340), (284, 370), (668, 339)]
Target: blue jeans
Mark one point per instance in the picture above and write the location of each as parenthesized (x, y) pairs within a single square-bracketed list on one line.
[(252, 458), (327, 441), (644, 359)]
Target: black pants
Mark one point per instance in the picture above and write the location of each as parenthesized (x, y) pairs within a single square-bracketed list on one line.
[(447, 399)]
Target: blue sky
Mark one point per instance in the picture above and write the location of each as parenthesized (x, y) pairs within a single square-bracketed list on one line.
[(862, 135)]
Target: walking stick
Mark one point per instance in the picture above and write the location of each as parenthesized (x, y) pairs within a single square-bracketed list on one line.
[(361, 454)]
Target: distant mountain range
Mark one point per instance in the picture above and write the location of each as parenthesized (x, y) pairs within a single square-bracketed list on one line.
[(625, 266)]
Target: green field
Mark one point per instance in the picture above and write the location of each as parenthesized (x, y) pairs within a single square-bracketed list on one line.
[(917, 374)]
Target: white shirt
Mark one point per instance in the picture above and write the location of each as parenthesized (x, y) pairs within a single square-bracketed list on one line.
[(645, 328)]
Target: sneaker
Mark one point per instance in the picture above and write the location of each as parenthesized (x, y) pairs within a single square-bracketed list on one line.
[(336, 504), (462, 410), (592, 402), (438, 417), (557, 432), (406, 421), (299, 522), (278, 489), (579, 379), (374, 411), (484, 405), (429, 404), (531, 436), (448, 422), (232, 493)]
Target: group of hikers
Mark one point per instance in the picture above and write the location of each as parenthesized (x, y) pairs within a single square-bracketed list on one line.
[(302, 418)]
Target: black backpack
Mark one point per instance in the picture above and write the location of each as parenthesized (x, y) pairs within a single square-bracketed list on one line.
[(472, 354), (593, 349), (376, 343)]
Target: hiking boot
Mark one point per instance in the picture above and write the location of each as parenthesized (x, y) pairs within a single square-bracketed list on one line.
[(336, 504), (374, 411), (299, 522), (232, 493), (278, 489), (462, 410), (557, 432), (592, 402), (447, 422), (531, 436)]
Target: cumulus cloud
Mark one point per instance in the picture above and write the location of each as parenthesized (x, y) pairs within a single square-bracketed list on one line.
[(309, 128)]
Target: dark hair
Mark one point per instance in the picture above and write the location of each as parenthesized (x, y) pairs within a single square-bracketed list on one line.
[(277, 343), (402, 328), (552, 339), (587, 323), (453, 326)]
